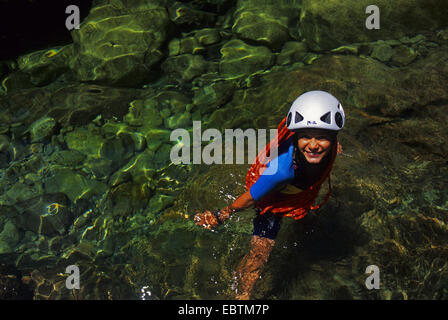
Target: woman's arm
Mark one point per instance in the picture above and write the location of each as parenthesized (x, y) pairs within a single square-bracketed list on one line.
[(208, 220), (242, 202), (272, 177), (278, 171)]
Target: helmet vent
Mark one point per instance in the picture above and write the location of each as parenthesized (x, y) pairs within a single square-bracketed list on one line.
[(326, 117), (338, 119), (288, 121), (339, 106), (298, 117)]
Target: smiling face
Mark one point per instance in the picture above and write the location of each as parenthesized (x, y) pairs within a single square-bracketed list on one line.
[(314, 144)]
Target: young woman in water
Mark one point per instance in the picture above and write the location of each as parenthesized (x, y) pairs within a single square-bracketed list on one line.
[(290, 183)]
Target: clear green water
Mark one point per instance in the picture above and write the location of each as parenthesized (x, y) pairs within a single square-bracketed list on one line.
[(86, 178)]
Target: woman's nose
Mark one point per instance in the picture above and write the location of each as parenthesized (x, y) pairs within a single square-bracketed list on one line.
[(313, 144)]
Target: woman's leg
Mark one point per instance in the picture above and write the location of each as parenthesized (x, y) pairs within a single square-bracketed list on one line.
[(251, 267), (266, 228)]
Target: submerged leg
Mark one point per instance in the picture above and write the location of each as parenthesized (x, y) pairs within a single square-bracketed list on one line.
[(251, 267)]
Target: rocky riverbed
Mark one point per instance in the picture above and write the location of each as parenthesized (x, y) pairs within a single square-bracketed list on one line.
[(85, 171)]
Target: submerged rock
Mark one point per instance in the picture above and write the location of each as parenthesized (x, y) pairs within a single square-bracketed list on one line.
[(55, 222), (403, 55), (329, 24), (159, 202), (16, 81), (292, 51), (209, 97), (69, 158), (73, 104), (9, 237), (81, 104), (21, 191), (118, 149), (176, 101), (265, 26), (139, 168), (42, 129), (162, 156), (136, 140), (184, 67), (182, 13), (142, 114), (382, 52), (112, 128), (270, 23), (184, 45), (6, 151), (117, 43), (129, 197), (155, 137), (4, 143), (44, 66), (101, 169), (179, 121), (195, 42), (443, 34), (85, 141), (74, 185), (165, 113), (31, 210), (240, 58), (207, 36)]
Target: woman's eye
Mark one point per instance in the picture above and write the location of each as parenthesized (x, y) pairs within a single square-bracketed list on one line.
[(306, 137)]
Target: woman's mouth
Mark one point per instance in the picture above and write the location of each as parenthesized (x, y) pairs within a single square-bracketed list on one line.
[(313, 154)]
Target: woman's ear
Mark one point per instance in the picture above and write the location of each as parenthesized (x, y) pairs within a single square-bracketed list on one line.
[(340, 151)]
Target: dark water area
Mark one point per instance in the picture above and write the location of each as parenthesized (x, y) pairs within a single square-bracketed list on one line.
[(86, 173), (28, 26)]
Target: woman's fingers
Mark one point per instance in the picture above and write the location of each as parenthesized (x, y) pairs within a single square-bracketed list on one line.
[(210, 219), (205, 219)]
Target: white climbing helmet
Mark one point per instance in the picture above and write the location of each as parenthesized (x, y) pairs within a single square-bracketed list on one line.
[(317, 110)]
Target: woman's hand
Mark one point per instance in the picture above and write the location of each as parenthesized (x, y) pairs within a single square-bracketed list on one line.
[(339, 148), (206, 219)]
